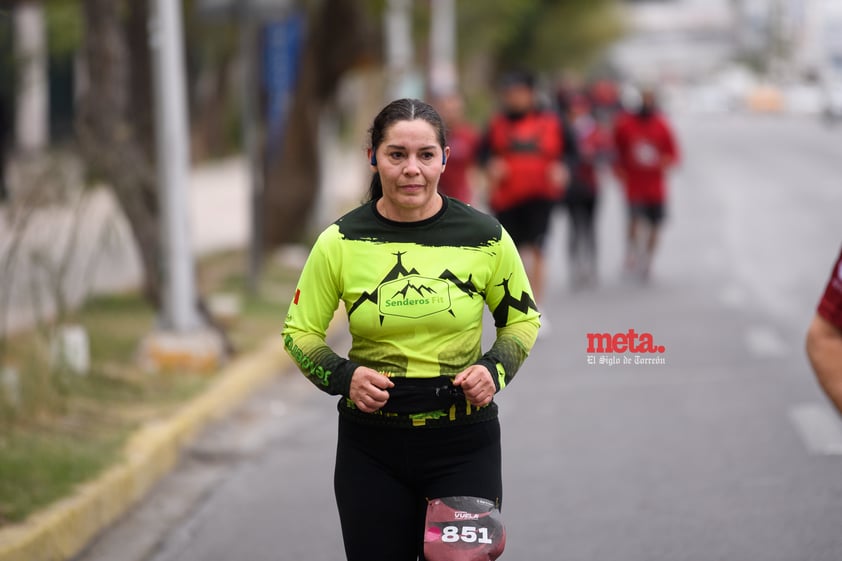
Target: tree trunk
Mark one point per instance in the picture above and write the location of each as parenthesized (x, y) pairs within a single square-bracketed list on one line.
[(141, 104), (115, 145), (116, 130), (338, 37)]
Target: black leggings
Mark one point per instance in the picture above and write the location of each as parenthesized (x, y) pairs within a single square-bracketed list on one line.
[(384, 477)]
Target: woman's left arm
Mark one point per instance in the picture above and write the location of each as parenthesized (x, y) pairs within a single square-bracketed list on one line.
[(516, 316), (496, 368)]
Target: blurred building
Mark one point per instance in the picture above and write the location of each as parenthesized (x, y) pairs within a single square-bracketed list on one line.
[(686, 40), (802, 37)]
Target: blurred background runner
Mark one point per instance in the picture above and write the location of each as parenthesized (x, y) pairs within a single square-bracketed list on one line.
[(463, 139), (646, 150)]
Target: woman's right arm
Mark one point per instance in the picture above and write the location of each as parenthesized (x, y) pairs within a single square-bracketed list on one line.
[(310, 312)]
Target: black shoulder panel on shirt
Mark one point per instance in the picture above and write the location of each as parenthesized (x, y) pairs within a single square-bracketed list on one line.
[(456, 225)]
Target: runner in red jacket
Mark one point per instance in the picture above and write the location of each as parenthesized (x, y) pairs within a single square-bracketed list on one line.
[(522, 151), (646, 149), (464, 141)]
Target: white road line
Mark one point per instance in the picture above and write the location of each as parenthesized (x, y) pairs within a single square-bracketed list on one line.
[(819, 427), (764, 342)]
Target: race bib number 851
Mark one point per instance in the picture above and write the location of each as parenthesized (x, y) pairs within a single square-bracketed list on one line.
[(463, 529), (469, 534)]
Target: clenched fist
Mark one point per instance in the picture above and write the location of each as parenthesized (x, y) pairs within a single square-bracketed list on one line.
[(368, 389)]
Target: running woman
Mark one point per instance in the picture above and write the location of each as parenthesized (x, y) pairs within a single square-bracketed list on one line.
[(414, 271)]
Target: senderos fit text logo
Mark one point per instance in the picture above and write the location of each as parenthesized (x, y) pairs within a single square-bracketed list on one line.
[(413, 296)]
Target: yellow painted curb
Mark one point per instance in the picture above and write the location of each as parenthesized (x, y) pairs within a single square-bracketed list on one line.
[(62, 530)]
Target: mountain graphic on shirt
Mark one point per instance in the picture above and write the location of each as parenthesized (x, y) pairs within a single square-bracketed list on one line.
[(509, 302), (394, 273), (398, 271), (420, 290)]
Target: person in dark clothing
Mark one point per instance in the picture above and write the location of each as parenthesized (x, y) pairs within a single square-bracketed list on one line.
[(582, 192), (5, 133)]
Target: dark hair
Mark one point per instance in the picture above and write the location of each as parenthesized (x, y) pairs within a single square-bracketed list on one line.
[(401, 110), (518, 77)]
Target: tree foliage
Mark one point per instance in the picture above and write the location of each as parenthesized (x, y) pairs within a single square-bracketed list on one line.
[(543, 35), (64, 27), (338, 37)]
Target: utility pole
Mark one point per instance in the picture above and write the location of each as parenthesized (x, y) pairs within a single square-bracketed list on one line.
[(182, 341), (812, 38), (780, 41), (31, 126), (180, 313), (443, 78), (400, 81), (251, 137), (739, 19)]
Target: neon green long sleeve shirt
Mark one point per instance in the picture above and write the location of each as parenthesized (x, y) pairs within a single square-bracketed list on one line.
[(414, 294)]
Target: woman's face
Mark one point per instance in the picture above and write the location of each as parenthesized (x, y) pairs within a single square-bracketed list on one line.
[(409, 161)]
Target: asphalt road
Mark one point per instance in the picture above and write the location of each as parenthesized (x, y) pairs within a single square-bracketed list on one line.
[(726, 451)]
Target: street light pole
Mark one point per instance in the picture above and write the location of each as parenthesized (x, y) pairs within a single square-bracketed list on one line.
[(251, 138), (32, 126), (443, 78), (179, 312), (398, 30)]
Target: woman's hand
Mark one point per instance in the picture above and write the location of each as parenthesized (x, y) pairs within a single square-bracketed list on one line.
[(477, 384), (368, 389)]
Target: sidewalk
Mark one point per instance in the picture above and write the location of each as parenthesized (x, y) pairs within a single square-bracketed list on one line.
[(61, 531)]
